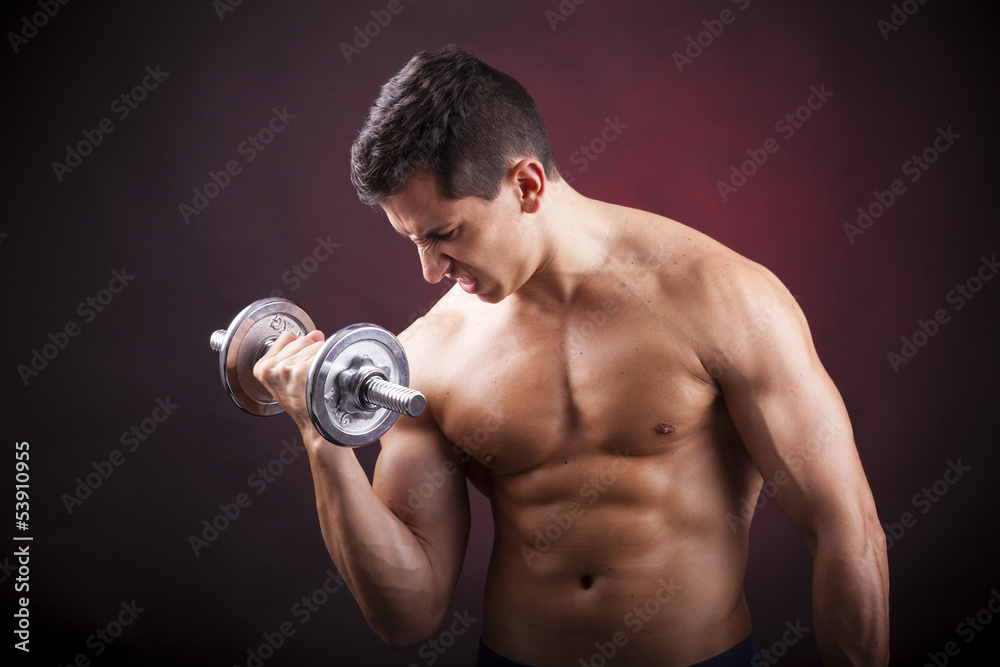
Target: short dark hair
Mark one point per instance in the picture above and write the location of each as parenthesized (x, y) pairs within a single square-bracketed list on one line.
[(450, 115)]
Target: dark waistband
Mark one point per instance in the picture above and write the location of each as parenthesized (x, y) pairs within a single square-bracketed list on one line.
[(738, 656)]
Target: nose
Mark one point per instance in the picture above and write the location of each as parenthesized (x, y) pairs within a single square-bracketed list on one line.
[(435, 265)]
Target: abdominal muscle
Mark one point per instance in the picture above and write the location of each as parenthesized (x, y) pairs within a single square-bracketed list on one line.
[(625, 554)]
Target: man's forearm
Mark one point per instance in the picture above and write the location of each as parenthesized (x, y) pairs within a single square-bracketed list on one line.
[(381, 560), (851, 597)]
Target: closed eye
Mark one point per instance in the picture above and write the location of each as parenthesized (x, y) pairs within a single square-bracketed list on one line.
[(432, 236), (442, 236)]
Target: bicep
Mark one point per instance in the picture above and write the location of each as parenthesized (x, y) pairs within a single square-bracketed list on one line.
[(421, 480), (790, 415)]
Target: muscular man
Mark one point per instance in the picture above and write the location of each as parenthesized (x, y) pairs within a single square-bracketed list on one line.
[(613, 381)]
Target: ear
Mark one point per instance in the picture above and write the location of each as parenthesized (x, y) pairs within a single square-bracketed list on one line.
[(529, 176)]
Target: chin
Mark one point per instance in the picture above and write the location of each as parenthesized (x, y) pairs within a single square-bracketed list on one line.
[(490, 298), (491, 295)]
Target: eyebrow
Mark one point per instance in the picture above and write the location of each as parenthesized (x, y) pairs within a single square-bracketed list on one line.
[(430, 233)]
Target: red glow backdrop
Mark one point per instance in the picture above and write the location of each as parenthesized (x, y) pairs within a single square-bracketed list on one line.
[(850, 147)]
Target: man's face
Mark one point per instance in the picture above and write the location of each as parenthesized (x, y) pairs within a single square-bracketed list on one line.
[(483, 245)]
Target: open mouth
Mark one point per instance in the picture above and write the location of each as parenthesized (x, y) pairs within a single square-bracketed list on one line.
[(465, 282), (469, 285)]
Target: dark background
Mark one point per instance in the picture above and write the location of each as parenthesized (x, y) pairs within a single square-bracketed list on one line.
[(61, 240)]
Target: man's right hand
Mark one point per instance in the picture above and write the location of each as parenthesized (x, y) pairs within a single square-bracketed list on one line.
[(284, 372)]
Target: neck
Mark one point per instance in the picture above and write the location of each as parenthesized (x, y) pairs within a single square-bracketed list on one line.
[(576, 237)]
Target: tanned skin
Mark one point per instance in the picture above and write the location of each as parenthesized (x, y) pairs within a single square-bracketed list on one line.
[(615, 383)]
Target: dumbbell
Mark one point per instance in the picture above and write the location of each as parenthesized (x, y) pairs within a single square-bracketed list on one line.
[(357, 384)]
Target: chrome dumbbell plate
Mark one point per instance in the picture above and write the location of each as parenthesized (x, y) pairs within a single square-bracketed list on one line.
[(246, 340), (347, 360)]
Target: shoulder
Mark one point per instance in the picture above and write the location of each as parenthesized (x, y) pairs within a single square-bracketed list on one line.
[(440, 341), (441, 324), (426, 343), (689, 260), (732, 289), (725, 301)]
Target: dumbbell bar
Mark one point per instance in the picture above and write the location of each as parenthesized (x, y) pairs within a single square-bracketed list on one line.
[(357, 382)]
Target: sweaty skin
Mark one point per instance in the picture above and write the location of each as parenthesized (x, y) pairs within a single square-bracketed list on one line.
[(618, 385)]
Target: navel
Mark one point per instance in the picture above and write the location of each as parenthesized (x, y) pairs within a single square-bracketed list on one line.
[(663, 428), (586, 581)]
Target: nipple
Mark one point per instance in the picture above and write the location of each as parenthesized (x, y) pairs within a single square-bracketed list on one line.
[(663, 428), (491, 458)]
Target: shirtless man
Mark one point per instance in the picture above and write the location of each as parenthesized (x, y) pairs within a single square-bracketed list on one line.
[(616, 383)]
